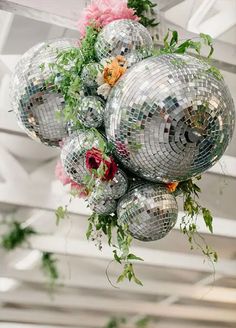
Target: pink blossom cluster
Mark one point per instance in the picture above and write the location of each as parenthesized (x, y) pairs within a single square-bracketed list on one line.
[(103, 12), (66, 180)]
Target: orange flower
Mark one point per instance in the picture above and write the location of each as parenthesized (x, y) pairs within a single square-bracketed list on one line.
[(171, 186), (114, 70)]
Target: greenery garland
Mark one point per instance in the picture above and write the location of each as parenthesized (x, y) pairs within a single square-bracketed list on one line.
[(17, 236)]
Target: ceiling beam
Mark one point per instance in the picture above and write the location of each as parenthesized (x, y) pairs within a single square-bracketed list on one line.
[(48, 198), (33, 12), (57, 319), (118, 306), (225, 166), (153, 257), (158, 287)]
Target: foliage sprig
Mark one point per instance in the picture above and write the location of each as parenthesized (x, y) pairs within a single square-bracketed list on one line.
[(142, 7), (172, 44), (18, 236), (49, 267), (192, 208), (106, 224)]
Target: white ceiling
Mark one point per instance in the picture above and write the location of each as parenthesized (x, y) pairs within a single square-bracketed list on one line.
[(179, 289)]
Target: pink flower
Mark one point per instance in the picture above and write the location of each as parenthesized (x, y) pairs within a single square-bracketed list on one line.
[(61, 175), (102, 12)]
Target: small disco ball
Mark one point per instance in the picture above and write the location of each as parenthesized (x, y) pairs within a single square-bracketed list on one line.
[(114, 189), (122, 37), (101, 203), (169, 118), (34, 100), (149, 210), (91, 111), (73, 154), (89, 74)]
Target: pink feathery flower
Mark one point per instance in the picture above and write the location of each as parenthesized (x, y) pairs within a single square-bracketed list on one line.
[(65, 180), (61, 175), (102, 12)]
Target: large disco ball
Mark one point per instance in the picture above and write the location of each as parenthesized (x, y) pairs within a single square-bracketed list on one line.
[(34, 100), (122, 37), (73, 154), (149, 210), (169, 118)]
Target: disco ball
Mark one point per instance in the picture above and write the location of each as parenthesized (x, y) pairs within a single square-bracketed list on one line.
[(73, 154), (149, 210), (34, 100), (101, 204), (122, 37), (89, 74), (91, 111), (113, 189), (169, 118)]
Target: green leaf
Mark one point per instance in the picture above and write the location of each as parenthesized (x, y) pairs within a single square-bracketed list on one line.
[(143, 322), (137, 281), (134, 257), (120, 278), (49, 267), (89, 231), (207, 39), (174, 39), (61, 213), (116, 257), (207, 218)]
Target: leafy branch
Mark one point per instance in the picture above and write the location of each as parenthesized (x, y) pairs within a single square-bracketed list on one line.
[(49, 267), (190, 192), (106, 224), (172, 45), (142, 7), (66, 73), (17, 236)]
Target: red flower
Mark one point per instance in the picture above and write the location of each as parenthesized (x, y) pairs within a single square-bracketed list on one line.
[(111, 169), (94, 158)]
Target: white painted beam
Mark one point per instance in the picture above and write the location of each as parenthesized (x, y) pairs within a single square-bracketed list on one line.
[(153, 257), (44, 197), (59, 319), (6, 21), (221, 226), (226, 166), (117, 306), (96, 282), (47, 12)]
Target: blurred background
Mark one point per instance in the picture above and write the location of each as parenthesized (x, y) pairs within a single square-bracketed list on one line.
[(180, 289)]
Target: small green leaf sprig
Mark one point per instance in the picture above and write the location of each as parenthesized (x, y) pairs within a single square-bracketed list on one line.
[(105, 225), (66, 73), (18, 236), (190, 192), (143, 322), (142, 7), (172, 44), (49, 267)]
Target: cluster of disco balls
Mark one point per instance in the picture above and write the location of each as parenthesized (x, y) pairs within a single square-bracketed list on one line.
[(168, 119)]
